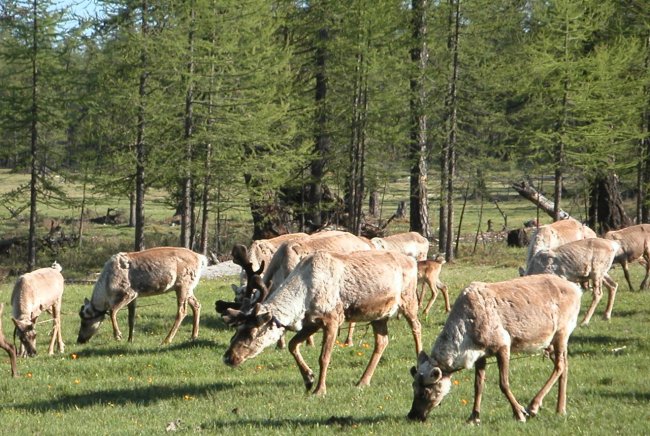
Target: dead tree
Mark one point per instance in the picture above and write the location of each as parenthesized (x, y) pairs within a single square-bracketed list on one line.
[(529, 193)]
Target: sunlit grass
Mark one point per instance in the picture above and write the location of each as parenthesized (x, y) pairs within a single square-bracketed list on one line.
[(119, 388)]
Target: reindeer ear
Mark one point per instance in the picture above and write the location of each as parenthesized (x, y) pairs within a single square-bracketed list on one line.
[(414, 371), (234, 288), (436, 374), (264, 318), (422, 358), (86, 301)]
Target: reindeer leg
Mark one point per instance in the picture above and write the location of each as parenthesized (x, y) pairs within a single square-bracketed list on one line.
[(624, 265), (503, 362), (9, 348), (479, 382), (131, 309), (646, 256), (181, 312), (559, 371), (380, 329), (348, 339), (434, 295), (613, 287), (294, 349), (59, 335), (330, 329), (445, 294), (56, 329), (410, 310), (196, 312), (126, 299), (597, 295)]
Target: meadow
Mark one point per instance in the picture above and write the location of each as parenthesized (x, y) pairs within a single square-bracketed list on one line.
[(110, 387)]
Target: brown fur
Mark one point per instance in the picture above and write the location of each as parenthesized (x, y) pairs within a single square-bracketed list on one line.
[(34, 293), (635, 244), (128, 276), (9, 348), (580, 262), (429, 274), (526, 314), (411, 243), (324, 290), (556, 234)]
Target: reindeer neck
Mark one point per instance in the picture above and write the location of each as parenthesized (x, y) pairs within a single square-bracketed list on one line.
[(455, 348), (288, 303)]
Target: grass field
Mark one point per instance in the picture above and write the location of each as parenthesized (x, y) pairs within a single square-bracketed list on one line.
[(109, 387)]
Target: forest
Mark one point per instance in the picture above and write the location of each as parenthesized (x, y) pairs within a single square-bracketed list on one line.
[(311, 110)]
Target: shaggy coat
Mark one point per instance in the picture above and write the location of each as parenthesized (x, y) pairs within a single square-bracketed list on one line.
[(324, 290), (261, 251), (556, 234), (581, 262), (127, 276), (412, 244), (526, 314), (35, 292), (289, 254), (635, 244)]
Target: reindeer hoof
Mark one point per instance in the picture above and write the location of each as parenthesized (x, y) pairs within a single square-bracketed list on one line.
[(474, 419), (309, 382), (522, 415)]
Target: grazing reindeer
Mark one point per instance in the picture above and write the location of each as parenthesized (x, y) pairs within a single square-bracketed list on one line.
[(324, 290), (127, 276), (429, 273), (411, 243), (581, 262), (556, 234), (9, 348), (496, 319), (35, 292), (635, 244)]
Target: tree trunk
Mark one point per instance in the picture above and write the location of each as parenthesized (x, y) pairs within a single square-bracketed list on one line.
[(606, 210), (186, 201), (33, 190), (529, 193), (141, 152), (418, 149), (644, 188), (451, 104), (322, 137)]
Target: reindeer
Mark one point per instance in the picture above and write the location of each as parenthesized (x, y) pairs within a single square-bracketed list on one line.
[(496, 319), (324, 290), (556, 234), (9, 348), (261, 251), (635, 244), (35, 292), (580, 262), (429, 273), (127, 276), (412, 244)]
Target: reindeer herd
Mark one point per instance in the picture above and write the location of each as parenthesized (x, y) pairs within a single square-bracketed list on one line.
[(305, 283)]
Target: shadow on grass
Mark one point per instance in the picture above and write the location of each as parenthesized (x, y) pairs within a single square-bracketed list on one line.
[(126, 348), (120, 397), (628, 396), (333, 422), (598, 344)]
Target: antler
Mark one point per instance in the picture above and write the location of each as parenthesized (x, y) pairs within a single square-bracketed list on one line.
[(240, 257)]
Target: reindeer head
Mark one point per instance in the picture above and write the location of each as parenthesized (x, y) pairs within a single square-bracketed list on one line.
[(256, 330), (430, 386), (91, 319), (26, 333)]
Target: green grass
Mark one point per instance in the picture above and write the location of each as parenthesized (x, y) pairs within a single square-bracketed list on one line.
[(139, 388)]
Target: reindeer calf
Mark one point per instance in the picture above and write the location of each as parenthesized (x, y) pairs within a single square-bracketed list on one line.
[(429, 273)]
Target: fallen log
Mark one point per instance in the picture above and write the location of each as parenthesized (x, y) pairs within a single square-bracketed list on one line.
[(529, 193)]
